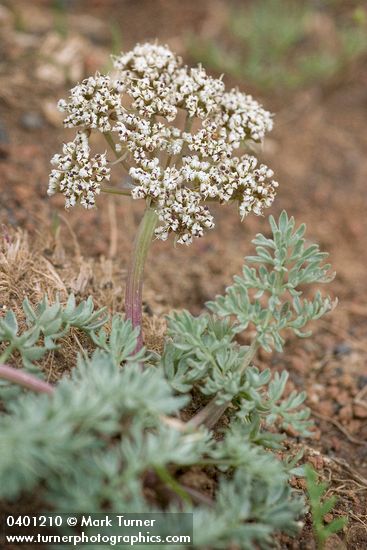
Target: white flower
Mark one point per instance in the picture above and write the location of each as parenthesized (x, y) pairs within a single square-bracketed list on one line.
[(198, 93), (151, 61), (243, 117), (183, 214), (210, 141), (92, 103), (77, 175), (176, 163), (141, 134), (148, 76)]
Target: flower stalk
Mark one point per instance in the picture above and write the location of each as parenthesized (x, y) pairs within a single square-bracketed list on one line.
[(134, 283)]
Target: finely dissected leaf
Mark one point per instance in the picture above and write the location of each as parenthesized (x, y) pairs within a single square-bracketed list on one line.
[(46, 325), (261, 297), (111, 432), (10, 324), (120, 342), (319, 508)]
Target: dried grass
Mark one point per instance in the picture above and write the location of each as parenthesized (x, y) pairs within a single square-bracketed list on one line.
[(38, 267)]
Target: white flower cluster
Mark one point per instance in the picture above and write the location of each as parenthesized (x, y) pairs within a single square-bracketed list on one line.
[(140, 135), (147, 74), (243, 118), (198, 93), (236, 178), (78, 176), (177, 164), (92, 103), (183, 214)]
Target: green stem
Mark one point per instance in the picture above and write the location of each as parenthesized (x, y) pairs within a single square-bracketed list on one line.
[(112, 144), (114, 191), (110, 141), (169, 480), (212, 412), (188, 123), (134, 284)]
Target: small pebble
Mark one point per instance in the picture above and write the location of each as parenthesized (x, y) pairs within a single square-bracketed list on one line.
[(342, 349), (361, 381), (317, 461), (346, 413), (360, 411), (338, 371), (4, 138), (32, 121)]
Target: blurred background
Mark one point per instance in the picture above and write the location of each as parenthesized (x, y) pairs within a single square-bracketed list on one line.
[(306, 61)]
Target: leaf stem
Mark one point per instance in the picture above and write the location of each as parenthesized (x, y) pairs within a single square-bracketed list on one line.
[(169, 480), (17, 376), (134, 284)]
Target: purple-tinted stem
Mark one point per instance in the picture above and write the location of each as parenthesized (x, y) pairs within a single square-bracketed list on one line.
[(21, 378), (134, 283)]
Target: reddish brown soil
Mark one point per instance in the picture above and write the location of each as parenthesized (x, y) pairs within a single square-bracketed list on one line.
[(318, 150)]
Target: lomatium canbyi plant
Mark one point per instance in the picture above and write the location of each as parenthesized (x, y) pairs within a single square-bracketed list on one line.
[(111, 437), (181, 139)]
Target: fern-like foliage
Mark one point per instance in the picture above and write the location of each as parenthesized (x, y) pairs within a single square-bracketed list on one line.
[(90, 446), (119, 342), (203, 351), (269, 296), (112, 429), (49, 323), (319, 507)]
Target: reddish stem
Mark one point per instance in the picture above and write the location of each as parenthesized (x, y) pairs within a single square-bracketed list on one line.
[(134, 283), (28, 381)]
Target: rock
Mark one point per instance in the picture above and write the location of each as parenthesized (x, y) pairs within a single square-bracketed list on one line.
[(326, 408), (347, 381), (334, 543), (362, 381), (298, 364), (342, 349), (317, 461), (354, 427), (333, 392), (32, 120), (360, 411), (346, 413)]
